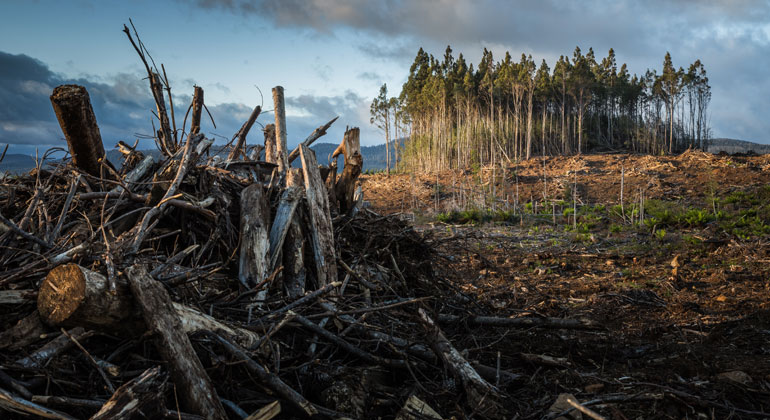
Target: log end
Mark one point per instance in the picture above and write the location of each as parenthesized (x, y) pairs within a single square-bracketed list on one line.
[(61, 293), (68, 93)]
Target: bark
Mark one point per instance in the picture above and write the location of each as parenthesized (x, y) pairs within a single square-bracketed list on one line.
[(72, 106), (195, 390), (321, 231)]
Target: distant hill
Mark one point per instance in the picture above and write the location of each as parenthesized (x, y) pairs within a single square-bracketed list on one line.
[(16, 163), (374, 156), (737, 146)]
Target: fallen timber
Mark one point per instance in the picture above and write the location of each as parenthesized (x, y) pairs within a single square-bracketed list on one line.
[(204, 287)]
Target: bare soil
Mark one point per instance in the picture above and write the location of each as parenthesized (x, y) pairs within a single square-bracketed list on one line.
[(685, 314)]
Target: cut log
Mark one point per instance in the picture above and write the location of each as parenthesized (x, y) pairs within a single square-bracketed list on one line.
[(480, 393), (142, 397), (283, 217), (72, 106), (280, 130), (254, 260), (345, 187), (197, 109), (72, 296), (195, 390), (322, 231)]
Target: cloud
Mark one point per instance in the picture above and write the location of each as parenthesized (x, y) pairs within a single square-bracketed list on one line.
[(718, 32), (123, 103)]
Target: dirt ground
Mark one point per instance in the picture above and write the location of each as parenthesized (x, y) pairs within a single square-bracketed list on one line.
[(684, 312)]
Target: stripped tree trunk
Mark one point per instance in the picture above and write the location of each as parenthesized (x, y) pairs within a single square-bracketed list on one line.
[(195, 390), (280, 130), (321, 229), (294, 244), (271, 153), (72, 106), (197, 109), (255, 246), (346, 185)]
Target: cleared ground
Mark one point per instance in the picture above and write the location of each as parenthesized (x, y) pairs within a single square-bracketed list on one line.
[(682, 293)]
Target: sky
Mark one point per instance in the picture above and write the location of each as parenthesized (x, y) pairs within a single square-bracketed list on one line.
[(331, 56)]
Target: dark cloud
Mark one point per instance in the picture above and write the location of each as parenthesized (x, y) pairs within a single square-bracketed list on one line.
[(123, 104), (731, 37)]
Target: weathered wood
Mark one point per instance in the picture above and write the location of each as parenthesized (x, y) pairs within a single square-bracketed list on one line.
[(137, 173), (293, 252), (72, 296), (197, 109), (254, 262), (242, 133), (315, 135), (15, 297), (140, 397), (28, 330), (53, 348), (267, 412), (345, 187), (72, 107), (270, 380), (322, 231), (15, 404), (271, 152), (480, 393), (551, 323), (283, 217), (165, 136), (280, 130), (195, 390)]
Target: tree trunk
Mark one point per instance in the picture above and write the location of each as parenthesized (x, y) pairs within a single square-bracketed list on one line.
[(322, 231), (196, 392), (197, 109), (280, 130), (346, 185), (72, 106), (254, 259)]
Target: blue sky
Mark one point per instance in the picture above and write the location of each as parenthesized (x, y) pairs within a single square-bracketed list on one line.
[(331, 56)]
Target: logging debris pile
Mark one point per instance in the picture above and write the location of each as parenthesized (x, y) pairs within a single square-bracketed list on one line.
[(223, 284)]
